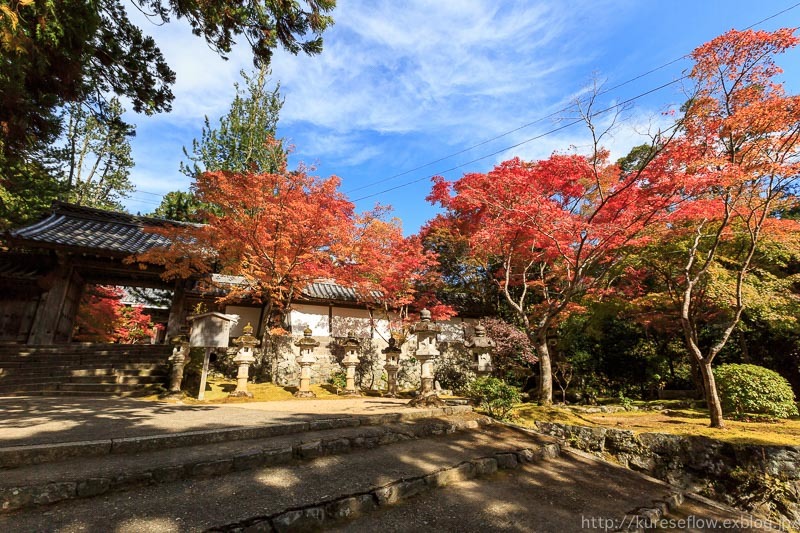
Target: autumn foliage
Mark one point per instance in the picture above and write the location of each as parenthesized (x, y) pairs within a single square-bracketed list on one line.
[(551, 230), (737, 160), (102, 317), (281, 231)]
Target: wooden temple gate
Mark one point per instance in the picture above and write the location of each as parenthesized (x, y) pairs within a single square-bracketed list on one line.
[(49, 264)]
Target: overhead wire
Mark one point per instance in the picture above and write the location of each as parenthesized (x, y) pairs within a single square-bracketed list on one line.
[(526, 141), (549, 132), (518, 128)]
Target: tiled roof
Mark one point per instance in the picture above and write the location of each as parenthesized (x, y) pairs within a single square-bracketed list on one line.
[(327, 290), (74, 226), (332, 291)]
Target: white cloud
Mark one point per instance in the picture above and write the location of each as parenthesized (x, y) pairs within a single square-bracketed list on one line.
[(451, 72), (432, 66)]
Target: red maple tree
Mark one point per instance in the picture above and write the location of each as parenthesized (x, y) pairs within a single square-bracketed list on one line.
[(102, 317), (737, 156), (382, 261), (279, 231), (552, 230)]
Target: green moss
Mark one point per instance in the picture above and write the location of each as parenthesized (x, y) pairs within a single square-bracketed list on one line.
[(672, 421)]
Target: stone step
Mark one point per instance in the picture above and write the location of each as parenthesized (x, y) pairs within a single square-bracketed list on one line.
[(339, 471), (111, 377), (564, 494), (107, 365), (159, 352), (77, 361), (150, 370), (15, 456), (79, 347), (144, 390), (109, 388)]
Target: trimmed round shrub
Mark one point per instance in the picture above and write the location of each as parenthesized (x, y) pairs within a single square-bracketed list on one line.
[(494, 395), (751, 389)]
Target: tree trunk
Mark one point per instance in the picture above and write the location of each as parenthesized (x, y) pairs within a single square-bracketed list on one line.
[(712, 396), (545, 373)]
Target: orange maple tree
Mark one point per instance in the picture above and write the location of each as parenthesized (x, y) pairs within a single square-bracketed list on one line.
[(738, 156), (281, 231)]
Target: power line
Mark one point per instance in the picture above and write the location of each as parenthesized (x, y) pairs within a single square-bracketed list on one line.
[(530, 139), (541, 119), (519, 128)]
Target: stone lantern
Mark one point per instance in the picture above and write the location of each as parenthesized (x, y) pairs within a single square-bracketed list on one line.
[(350, 361), (178, 360), (392, 363), (426, 332), (481, 347), (306, 359), (244, 357)]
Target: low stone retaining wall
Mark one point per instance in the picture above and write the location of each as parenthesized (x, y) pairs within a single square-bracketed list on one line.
[(754, 478)]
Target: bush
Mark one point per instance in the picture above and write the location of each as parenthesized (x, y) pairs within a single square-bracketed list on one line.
[(751, 389), (494, 395), (338, 380)]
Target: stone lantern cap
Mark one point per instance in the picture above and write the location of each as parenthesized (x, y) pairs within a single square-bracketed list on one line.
[(306, 341), (351, 342), (425, 324), (247, 340), (480, 340), (392, 349)]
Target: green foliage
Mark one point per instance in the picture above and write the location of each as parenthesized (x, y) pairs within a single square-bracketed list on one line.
[(758, 491), (338, 380), (465, 284), (97, 155), (244, 141), (494, 395), (59, 53), (612, 353), (27, 189), (625, 402), (638, 158), (751, 389), (452, 370), (179, 205)]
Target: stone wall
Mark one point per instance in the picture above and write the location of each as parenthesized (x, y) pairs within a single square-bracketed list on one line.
[(760, 479)]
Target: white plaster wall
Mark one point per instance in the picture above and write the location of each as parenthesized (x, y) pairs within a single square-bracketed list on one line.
[(453, 329), (382, 324), (313, 316), (356, 320), (246, 314)]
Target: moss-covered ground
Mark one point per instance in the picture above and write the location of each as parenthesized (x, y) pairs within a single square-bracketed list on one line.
[(218, 389), (677, 421)]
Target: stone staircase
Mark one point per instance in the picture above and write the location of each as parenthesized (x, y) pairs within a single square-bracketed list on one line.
[(448, 468), (82, 369)]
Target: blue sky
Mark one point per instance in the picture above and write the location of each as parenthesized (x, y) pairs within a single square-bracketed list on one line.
[(401, 85)]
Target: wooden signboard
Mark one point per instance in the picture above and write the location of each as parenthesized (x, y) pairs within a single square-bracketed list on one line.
[(210, 330)]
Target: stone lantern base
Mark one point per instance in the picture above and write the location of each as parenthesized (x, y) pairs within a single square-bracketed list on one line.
[(304, 394), (173, 395), (431, 400), (240, 394)]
